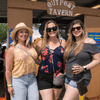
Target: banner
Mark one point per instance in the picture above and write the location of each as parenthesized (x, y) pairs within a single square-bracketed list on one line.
[(95, 36)]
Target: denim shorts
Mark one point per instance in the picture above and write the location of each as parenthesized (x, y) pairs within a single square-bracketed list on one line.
[(72, 83)]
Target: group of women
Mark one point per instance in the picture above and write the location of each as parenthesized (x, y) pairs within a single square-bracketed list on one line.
[(22, 57)]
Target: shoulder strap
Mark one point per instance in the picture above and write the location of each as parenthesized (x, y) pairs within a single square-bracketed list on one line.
[(51, 59), (25, 51), (60, 42)]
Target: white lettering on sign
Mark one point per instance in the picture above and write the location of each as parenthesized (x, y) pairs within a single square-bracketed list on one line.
[(57, 2), (50, 11), (60, 7), (65, 3), (61, 1), (53, 2), (60, 12), (54, 12), (49, 4), (73, 7)]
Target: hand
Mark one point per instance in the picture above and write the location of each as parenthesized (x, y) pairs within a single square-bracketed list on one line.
[(11, 90), (78, 69), (38, 61)]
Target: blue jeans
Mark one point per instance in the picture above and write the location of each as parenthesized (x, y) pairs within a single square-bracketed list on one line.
[(25, 88)]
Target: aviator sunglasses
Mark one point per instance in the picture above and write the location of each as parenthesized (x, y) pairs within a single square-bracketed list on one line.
[(78, 28), (53, 28)]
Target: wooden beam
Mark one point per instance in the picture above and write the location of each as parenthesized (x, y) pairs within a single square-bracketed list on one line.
[(92, 24), (42, 6), (87, 11), (27, 4), (16, 16)]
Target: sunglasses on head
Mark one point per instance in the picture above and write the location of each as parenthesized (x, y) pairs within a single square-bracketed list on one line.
[(78, 28), (53, 28)]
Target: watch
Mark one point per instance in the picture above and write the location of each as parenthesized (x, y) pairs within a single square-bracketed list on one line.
[(85, 69)]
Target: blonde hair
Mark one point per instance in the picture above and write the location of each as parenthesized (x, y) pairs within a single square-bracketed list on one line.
[(15, 41), (46, 36), (71, 41)]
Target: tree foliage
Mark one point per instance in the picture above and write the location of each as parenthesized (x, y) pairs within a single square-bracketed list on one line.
[(36, 25), (3, 32)]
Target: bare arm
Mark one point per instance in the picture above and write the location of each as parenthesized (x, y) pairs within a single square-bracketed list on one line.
[(9, 62), (95, 61), (38, 46), (96, 57)]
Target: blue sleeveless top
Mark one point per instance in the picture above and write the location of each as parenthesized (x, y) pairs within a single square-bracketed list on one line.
[(46, 62)]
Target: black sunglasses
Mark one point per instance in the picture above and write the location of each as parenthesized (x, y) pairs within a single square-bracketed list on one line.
[(53, 28), (78, 28)]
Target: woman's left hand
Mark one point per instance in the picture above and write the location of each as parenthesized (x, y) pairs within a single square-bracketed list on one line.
[(78, 69)]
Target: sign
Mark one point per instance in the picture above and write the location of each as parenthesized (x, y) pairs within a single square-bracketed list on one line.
[(60, 7), (10, 39), (95, 36)]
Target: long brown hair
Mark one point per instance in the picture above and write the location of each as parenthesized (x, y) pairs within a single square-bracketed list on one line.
[(46, 36), (71, 41)]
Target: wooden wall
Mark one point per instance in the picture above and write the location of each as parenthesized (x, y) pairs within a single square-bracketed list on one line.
[(92, 24)]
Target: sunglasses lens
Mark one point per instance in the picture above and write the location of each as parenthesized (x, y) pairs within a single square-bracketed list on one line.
[(53, 28), (48, 29), (78, 28), (73, 29)]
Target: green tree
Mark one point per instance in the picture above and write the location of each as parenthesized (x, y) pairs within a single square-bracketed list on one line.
[(3, 32), (36, 25)]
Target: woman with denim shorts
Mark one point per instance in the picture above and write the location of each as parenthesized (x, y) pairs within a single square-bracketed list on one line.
[(20, 65), (50, 43), (83, 54)]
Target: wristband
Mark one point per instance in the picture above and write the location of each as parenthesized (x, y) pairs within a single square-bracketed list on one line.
[(85, 69), (9, 85)]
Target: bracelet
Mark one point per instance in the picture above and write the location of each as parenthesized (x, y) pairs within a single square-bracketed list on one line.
[(9, 85), (85, 69)]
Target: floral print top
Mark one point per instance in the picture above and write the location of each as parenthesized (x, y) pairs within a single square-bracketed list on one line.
[(46, 61), (23, 62)]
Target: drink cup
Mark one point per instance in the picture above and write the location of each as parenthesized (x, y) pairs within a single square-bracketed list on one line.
[(72, 69)]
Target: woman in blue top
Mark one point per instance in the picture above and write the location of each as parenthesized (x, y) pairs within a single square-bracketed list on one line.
[(50, 43), (82, 51)]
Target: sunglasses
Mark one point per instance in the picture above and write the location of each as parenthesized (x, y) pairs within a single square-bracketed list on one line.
[(78, 28), (53, 28)]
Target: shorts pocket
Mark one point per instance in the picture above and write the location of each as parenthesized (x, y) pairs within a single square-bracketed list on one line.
[(45, 76), (41, 75)]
